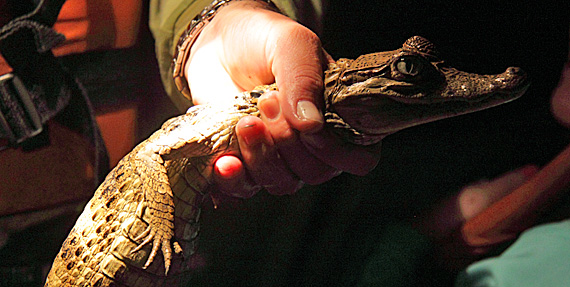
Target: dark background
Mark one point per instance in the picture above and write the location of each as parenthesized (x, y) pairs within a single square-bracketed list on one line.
[(352, 230)]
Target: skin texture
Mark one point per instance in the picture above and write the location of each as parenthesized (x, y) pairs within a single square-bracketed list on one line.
[(282, 51)]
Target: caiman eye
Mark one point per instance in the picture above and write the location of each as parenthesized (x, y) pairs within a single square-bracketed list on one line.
[(409, 66)]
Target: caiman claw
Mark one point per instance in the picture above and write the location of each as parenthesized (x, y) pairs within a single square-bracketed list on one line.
[(158, 208), (159, 240)]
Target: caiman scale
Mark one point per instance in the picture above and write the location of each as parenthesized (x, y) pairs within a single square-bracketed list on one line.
[(148, 207)]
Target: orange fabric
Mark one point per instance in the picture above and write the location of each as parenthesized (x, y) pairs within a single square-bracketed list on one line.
[(63, 171), (118, 131), (508, 217), (38, 180), (90, 25)]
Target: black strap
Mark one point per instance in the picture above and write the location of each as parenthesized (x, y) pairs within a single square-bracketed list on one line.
[(31, 98), (40, 88)]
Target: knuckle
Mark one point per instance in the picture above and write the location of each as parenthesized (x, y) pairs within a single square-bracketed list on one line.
[(308, 80), (281, 132)]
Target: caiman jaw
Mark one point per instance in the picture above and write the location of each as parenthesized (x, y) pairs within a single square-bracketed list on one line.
[(375, 116), (365, 112), (506, 86)]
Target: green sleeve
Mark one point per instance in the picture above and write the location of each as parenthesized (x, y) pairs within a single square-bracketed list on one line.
[(168, 20)]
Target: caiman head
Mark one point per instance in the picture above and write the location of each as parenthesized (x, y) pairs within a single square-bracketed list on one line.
[(381, 93)]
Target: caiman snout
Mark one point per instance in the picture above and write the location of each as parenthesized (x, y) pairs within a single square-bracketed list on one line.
[(515, 78), (468, 86), (515, 71)]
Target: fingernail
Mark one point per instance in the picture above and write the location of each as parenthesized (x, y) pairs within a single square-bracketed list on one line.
[(306, 110), (228, 166), (269, 107)]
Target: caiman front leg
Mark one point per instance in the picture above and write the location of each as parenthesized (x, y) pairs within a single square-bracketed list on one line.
[(157, 207)]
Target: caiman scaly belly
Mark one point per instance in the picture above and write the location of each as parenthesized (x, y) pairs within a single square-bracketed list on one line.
[(142, 225)]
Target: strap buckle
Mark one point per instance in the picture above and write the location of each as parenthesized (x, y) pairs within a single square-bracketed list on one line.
[(29, 122)]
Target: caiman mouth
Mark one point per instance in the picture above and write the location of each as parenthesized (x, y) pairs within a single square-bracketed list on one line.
[(378, 114), (465, 87)]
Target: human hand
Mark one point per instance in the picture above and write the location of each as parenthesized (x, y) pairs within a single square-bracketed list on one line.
[(247, 45), (472, 200)]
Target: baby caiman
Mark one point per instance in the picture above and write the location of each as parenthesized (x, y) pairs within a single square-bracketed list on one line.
[(141, 227)]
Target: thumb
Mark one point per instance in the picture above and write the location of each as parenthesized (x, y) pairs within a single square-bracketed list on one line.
[(298, 63)]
